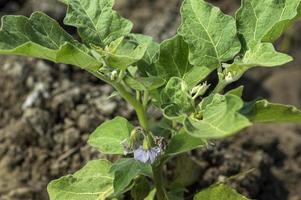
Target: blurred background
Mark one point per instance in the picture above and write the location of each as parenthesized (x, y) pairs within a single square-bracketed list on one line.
[(48, 110)]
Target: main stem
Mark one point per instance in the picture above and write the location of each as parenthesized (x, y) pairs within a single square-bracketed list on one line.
[(140, 109)]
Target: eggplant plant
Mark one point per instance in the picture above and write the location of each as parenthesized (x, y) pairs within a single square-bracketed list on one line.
[(171, 76)]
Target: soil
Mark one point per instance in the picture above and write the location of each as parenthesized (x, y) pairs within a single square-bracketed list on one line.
[(48, 110)]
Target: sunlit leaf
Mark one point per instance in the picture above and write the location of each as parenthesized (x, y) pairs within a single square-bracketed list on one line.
[(259, 21), (219, 192), (92, 182), (108, 137), (263, 111), (97, 23), (42, 37), (210, 34), (261, 55), (220, 118)]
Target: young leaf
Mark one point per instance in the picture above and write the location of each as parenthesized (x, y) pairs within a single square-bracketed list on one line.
[(108, 137), (263, 54), (126, 170), (183, 142), (259, 20), (122, 53), (152, 50), (175, 98), (42, 37), (220, 192), (210, 34), (265, 112), (220, 118), (97, 23), (92, 182)]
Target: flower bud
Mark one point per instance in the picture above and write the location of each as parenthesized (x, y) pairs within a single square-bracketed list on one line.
[(199, 90), (114, 75)]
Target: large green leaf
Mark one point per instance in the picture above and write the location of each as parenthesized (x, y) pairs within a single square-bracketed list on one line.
[(108, 137), (210, 34), (219, 192), (173, 61), (261, 55), (183, 142), (286, 20), (264, 112), (220, 118), (97, 23), (92, 182), (42, 37), (126, 170), (259, 20)]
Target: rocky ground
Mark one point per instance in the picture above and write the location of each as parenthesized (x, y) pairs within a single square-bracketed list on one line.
[(46, 138)]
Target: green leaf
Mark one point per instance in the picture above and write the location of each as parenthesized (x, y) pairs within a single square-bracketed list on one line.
[(123, 52), (176, 98), (195, 75), (265, 112), (285, 22), (219, 192), (97, 23), (141, 188), (263, 55), (173, 61), (151, 195), (152, 50), (210, 34), (144, 83), (220, 118), (183, 142), (92, 182), (185, 173), (237, 91), (108, 137), (42, 37), (126, 170), (259, 20)]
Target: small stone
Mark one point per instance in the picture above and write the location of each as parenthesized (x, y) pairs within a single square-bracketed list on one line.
[(71, 136), (84, 123)]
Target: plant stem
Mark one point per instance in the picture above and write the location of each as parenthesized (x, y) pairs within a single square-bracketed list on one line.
[(141, 114), (158, 180), (140, 111), (220, 87)]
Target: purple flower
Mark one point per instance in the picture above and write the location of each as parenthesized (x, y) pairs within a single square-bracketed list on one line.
[(147, 156)]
